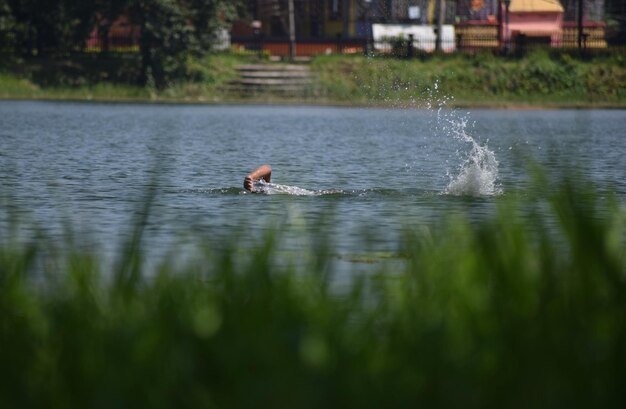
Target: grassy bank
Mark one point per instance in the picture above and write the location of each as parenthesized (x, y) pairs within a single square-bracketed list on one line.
[(537, 80), (45, 80), (524, 309)]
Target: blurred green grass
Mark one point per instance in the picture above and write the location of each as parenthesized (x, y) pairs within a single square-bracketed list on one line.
[(526, 308)]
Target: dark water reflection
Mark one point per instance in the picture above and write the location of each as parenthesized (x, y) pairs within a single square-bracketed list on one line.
[(88, 166)]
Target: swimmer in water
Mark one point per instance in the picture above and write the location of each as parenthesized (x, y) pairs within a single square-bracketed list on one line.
[(259, 181), (262, 172)]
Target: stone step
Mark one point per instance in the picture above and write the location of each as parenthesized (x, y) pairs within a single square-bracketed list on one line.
[(284, 79), (273, 67), (273, 81), (274, 74), (283, 89)]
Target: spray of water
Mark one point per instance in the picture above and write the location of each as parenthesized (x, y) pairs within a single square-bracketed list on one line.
[(477, 174), (261, 186)]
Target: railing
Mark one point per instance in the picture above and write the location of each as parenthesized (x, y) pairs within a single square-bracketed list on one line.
[(11, 43), (594, 35), (307, 48), (476, 37), (304, 48), (467, 39)]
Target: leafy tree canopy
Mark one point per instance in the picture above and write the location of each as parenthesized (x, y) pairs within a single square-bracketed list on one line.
[(174, 30), (171, 30)]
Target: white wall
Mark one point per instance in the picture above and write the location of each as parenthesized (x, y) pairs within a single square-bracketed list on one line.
[(423, 35)]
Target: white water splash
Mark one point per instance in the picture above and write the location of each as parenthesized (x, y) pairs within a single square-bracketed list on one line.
[(261, 186), (478, 172)]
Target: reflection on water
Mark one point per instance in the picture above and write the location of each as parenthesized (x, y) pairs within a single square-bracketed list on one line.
[(377, 171)]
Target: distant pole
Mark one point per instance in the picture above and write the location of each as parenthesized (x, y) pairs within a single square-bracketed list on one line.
[(580, 24), (292, 32), (346, 20), (507, 32), (500, 26), (368, 28), (440, 17), (256, 30)]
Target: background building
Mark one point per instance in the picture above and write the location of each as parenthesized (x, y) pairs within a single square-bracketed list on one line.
[(341, 24)]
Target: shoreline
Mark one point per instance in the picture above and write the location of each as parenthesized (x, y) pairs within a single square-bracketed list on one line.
[(538, 81), (400, 104)]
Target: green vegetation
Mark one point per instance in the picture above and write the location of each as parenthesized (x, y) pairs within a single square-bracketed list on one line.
[(524, 309), (14, 87), (539, 79), (207, 78)]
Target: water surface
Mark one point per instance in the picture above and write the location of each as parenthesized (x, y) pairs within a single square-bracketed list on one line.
[(88, 166)]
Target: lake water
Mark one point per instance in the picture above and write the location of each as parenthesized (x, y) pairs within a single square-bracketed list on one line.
[(88, 166)]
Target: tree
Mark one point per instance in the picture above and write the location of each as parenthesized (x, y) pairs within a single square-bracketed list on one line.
[(7, 28), (48, 26), (172, 31)]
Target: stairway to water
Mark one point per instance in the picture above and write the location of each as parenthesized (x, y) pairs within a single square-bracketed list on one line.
[(279, 79)]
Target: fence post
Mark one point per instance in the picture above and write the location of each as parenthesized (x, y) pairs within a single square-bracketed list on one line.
[(292, 32), (585, 37), (409, 47), (339, 44), (520, 45), (256, 32), (580, 16), (441, 15)]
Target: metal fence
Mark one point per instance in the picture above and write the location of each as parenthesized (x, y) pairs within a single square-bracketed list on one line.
[(304, 47), (486, 38), (466, 38), (15, 43), (413, 47)]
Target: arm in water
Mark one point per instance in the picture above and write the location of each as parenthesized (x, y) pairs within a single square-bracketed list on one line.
[(262, 172)]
